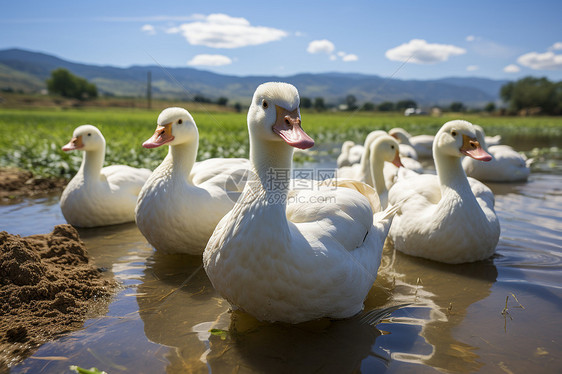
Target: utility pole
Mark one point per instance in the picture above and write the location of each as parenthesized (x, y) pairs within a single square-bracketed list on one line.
[(149, 89)]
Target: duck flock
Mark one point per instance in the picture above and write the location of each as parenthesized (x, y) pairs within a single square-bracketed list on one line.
[(290, 254)]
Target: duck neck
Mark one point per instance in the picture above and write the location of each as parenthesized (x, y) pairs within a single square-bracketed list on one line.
[(272, 167), (451, 174), (92, 163), (377, 174), (365, 166), (182, 157), (268, 157)]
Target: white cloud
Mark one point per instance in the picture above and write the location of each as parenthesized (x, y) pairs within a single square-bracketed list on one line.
[(556, 46), (419, 51), (472, 68), (541, 61), (149, 29), (512, 68), (350, 57), (470, 38), (209, 60), (327, 47), (224, 31), (321, 46)]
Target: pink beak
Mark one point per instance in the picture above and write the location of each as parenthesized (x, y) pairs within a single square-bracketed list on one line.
[(288, 127)]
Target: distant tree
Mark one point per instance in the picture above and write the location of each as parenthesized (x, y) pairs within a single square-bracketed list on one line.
[(405, 104), (306, 103), (368, 107), (222, 101), (386, 106), (64, 83), (319, 104), (201, 99), (238, 107), (351, 102), (531, 92), (490, 107), (457, 106)]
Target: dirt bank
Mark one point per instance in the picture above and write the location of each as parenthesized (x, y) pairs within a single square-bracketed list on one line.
[(48, 287), (16, 184)]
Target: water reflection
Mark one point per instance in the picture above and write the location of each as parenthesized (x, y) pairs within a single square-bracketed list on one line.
[(319, 346), (31, 215), (175, 296), (440, 295), (179, 307)]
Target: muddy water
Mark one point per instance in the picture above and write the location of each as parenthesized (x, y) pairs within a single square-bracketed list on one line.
[(456, 318)]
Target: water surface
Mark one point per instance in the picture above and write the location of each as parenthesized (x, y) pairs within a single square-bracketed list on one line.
[(160, 321)]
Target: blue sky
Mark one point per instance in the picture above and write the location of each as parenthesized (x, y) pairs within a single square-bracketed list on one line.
[(400, 39)]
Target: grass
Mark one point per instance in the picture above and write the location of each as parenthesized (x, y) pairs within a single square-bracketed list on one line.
[(31, 139)]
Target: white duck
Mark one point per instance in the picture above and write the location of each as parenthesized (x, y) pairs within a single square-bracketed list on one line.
[(446, 217), (180, 204), (99, 196), (506, 165), (361, 171), (407, 151), (422, 144), (344, 156), (315, 257), (373, 169), (352, 153)]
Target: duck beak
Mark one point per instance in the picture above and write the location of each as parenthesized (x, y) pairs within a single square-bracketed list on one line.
[(288, 127), (397, 162), (162, 135), (74, 143), (471, 148)]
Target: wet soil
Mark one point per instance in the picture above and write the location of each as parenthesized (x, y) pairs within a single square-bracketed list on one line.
[(16, 184), (48, 287)]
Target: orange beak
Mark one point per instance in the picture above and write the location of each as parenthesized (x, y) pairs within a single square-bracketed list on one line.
[(471, 148), (73, 144), (162, 135), (397, 162)]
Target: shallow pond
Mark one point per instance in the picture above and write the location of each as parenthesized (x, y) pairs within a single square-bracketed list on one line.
[(495, 316)]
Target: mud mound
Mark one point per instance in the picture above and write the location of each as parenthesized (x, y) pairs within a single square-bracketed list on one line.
[(47, 286)]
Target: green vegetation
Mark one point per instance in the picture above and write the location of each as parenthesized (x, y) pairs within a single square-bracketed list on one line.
[(32, 139), (80, 370)]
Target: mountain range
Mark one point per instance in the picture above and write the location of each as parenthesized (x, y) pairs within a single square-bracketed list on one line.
[(27, 71)]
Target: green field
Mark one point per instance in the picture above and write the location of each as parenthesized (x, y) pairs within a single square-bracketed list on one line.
[(32, 139)]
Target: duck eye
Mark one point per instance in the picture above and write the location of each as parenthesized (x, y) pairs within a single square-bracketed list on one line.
[(180, 121), (392, 146), (454, 133), (89, 134), (265, 104)]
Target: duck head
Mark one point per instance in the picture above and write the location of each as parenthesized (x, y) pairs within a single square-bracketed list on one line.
[(387, 148), (458, 138), (174, 126), (85, 138), (400, 134), (274, 115)]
